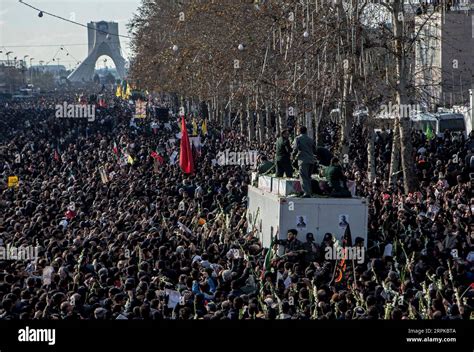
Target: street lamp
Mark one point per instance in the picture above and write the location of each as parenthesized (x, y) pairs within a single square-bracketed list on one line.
[(24, 68), (8, 57)]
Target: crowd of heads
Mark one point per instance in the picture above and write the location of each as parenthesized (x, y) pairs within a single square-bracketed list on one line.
[(150, 242)]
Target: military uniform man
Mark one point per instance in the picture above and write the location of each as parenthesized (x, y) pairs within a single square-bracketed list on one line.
[(283, 155), (336, 179), (304, 149), (265, 166)]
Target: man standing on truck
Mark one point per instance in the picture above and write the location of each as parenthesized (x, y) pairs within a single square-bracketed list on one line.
[(337, 180), (283, 155), (304, 149)]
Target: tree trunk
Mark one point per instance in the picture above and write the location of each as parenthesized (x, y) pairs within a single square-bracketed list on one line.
[(242, 121), (395, 156), (406, 147), (282, 122), (210, 109), (406, 150), (268, 118), (261, 127), (228, 116), (371, 153), (314, 114), (347, 111), (250, 122), (260, 124)]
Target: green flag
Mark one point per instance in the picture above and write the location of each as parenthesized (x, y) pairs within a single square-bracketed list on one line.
[(429, 133), (269, 256)]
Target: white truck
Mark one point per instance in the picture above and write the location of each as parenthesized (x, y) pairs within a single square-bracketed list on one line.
[(270, 213)]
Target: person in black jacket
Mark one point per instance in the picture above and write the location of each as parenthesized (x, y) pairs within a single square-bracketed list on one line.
[(292, 245), (283, 155)]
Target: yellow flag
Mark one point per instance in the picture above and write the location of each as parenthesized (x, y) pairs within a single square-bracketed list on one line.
[(128, 92), (12, 181), (130, 159), (118, 93), (204, 127)]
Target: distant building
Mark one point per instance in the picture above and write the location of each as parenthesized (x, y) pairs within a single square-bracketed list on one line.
[(444, 54), (56, 70), (11, 77)]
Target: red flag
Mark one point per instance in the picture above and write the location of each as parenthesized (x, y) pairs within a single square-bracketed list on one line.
[(115, 149), (185, 153), (56, 155), (157, 157)]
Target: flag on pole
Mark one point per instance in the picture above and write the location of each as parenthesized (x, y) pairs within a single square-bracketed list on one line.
[(118, 93), (185, 154), (123, 160), (268, 259), (115, 148), (347, 237), (56, 155), (429, 133), (128, 92), (204, 127), (130, 159), (173, 157)]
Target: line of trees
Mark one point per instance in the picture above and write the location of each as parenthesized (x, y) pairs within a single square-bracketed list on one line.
[(255, 64)]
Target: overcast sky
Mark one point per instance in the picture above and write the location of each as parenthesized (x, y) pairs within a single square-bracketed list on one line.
[(24, 33)]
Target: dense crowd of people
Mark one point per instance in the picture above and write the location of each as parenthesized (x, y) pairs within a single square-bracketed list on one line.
[(123, 234)]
